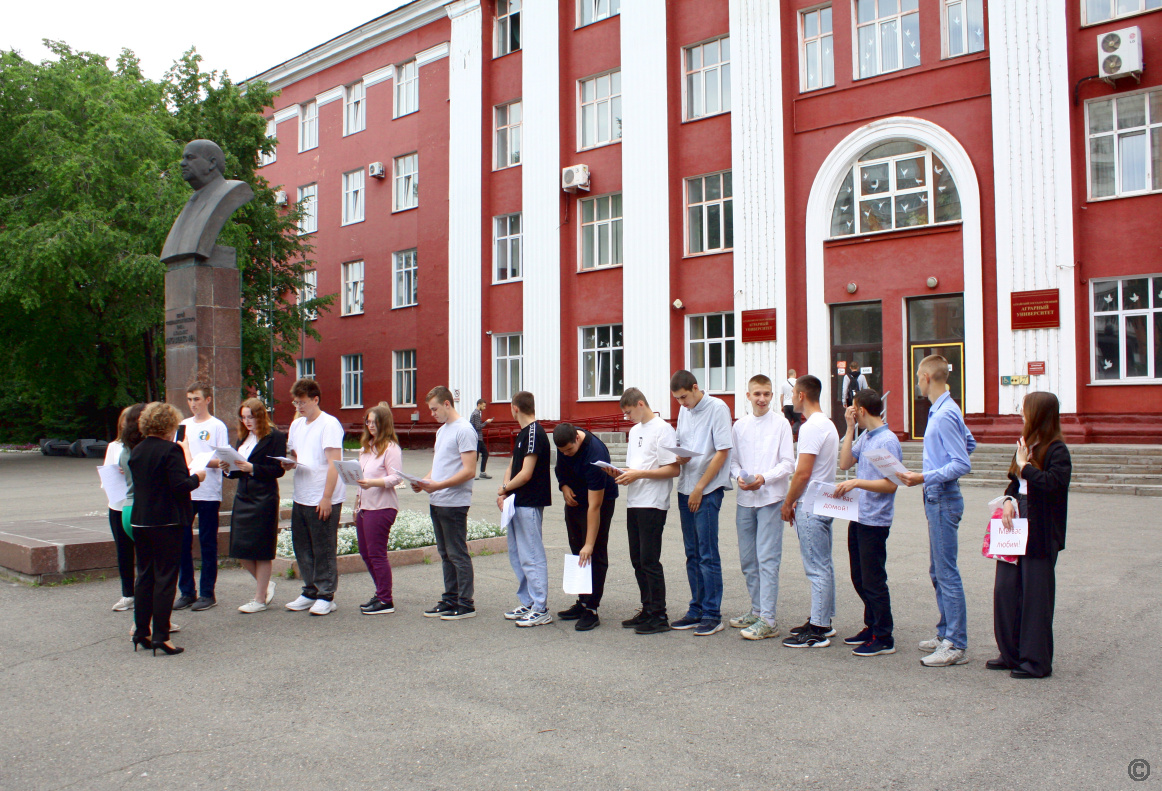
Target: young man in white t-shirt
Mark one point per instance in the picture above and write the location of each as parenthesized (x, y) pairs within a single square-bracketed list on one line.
[(315, 440), (648, 477), (204, 432), (818, 453), (786, 396)]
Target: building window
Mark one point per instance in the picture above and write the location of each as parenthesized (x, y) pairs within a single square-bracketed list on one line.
[(271, 133), (601, 231), (507, 26), (407, 182), (406, 279), (600, 115), (818, 51), (508, 120), (308, 292), (1127, 328), (1125, 145), (898, 184), (710, 351), (709, 213), (888, 35), (305, 368), (309, 208), (964, 27), (308, 126), (708, 78), (354, 108), (509, 360), (508, 247), (405, 378), (1101, 10), (407, 88), (601, 361), (353, 197), (352, 380), (352, 288), (596, 10)]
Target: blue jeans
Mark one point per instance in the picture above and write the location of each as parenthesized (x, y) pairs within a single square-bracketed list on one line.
[(760, 550), (207, 513), (815, 547), (703, 563), (526, 553), (944, 505)]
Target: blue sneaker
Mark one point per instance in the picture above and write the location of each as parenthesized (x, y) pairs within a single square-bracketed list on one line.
[(685, 622), (707, 627), (875, 647)]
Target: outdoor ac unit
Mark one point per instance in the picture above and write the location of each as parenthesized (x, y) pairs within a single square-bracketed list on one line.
[(376, 170), (575, 177), (1119, 54), (280, 198)]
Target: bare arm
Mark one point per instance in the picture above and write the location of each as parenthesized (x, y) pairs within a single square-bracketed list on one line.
[(665, 472), (694, 501), (324, 506), (798, 484), (593, 525)]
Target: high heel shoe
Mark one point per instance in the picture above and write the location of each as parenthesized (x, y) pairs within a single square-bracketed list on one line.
[(144, 642), (169, 649)]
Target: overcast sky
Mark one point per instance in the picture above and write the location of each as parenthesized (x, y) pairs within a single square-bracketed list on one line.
[(244, 37)]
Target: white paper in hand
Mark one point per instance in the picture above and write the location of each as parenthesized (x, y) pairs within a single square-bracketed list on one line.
[(113, 482), (230, 456), (886, 464), (198, 463), (296, 462), (607, 466), (508, 511), (577, 579), (1003, 541), (746, 477), (406, 477), (349, 471), (681, 453), (828, 503)]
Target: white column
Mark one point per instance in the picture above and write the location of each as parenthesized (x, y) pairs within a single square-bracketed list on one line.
[(645, 178), (1034, 203), (541, 203), (465, 98), (760, 217)]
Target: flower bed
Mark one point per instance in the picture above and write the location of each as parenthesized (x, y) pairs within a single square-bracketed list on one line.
[(412, 530)]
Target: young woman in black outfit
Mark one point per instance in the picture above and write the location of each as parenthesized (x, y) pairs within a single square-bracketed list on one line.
[(1024, 593)]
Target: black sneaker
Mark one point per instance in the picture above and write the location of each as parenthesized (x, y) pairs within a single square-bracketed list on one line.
[(828, 632), (573, 613), (587, 621), (204, 603), (655, 625), (438, 610), (875, 646), (378, 607), (458, 613), (637, 620), (685, 622), (860, 638), (369, 602), (184, 602), (814, 637)]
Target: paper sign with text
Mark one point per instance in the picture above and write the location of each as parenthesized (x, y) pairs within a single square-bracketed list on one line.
[(828, 503), (1008, 542)]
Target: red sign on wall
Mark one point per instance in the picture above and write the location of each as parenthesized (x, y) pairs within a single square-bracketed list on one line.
[(1036, 368), (1035, 310), (758, 325)]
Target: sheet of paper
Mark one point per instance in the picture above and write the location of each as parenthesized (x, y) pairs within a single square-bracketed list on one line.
[(349, 471), (607, 466), (508, 511), (230, 456), (198, 463), (406, 477), (746, 477), (1008, 542), (886, 464), (682, 453), (289, 460), (577, 579), (113, 482), (828, 503)]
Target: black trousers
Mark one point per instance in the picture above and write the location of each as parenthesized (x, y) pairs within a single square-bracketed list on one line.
[(867, 551), (159, 551), (577, 526), (482, 451), (1023, 599), (124, 544), (645, 527)]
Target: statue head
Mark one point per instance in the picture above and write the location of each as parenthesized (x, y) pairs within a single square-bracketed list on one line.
[(202, 163)]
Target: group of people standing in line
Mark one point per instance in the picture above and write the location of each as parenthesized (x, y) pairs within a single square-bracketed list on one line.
[(757, 452)]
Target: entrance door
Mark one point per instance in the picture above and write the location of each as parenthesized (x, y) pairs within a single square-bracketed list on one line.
[(857, 336), (935, 326)]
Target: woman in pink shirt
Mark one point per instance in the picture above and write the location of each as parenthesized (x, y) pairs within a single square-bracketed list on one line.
[(376, 504)]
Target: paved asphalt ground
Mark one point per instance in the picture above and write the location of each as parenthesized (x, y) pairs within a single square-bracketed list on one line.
[(282, 700)]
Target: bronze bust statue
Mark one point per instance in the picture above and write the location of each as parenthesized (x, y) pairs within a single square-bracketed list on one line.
[(215, 198)]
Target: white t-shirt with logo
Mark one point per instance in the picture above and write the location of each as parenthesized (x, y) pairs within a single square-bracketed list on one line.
[(818, 436), (452, 439), (205, 437), (645, 453), (309, 442)]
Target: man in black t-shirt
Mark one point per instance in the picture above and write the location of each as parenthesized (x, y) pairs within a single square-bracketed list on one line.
[(589, 498), (527, 482)]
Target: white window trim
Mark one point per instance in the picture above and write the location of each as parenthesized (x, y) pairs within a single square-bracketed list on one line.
[(686, 117), (1152, 350), (803, 48), (347, 303), (496, 358), (303, 120), (310, 290), (361, 112), (412, 86), (581, 362), (415, 176), (415, 277), (1152, 124), (300, 366), (705, 386), (510, 127), (313, 214), (946, 34), (855, 28), (343, 373), (361, 190), (611, 15), (271, 133), (686, 214), (395, 372), (496, 53), (581, 114), (581, 236), (1085, 15), (496, 241)]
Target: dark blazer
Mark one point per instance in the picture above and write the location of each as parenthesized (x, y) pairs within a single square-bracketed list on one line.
[(1047, 504), (261, 485), (161, 484)]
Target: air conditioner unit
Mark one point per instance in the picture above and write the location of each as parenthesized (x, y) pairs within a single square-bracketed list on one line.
[(575, 177), (1119, 54), (376, 170), (280, 198)]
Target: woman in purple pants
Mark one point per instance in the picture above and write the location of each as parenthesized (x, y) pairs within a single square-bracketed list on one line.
[(376, 506)]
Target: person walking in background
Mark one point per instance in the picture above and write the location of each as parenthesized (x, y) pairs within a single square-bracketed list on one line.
[(121, 540), (315, 440), (162, 484), (449, 482), (947, 445), (867, 539), (376, 505), (478, 422), (786, 399), (1024, 592), (761, 463), (254, 516), (204, 432), (853, 382)]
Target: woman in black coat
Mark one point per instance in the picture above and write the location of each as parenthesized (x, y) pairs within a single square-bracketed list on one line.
[(1023, 595), (161, 506), (254, 519)]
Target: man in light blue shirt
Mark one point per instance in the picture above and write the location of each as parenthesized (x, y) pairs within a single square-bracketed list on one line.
[(947, 445)]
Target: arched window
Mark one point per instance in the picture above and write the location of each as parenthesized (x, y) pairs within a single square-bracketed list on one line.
[(898, 184)]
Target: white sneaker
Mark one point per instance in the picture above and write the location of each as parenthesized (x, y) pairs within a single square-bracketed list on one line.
[(928, 646), (254, 606), (322, 607), (534, 618), (517, 612), (301, 603), (945, 656), (269, 592), (123, 604)]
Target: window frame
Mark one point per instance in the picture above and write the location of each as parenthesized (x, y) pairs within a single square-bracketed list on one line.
[(1116, 133), (803, 42), (354, 108), (509, 130), (308, 291), (353, 290), (704, 204), (308, 125), (350, 377), (721, 67), (405, 264), (498, 50), (946, 30), (301, 368), (1085, 22), (582, 225), (397, 176), (310, 210), (354, 197), (398, 370), (876, 23), (497, 358), (509, 239), (271, 134), (597, 351), (406, 83), (596, 102), (732, 340), (596, 6), (1152, 315)]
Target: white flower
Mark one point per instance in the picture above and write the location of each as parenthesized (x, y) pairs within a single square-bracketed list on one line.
[(411, 530)]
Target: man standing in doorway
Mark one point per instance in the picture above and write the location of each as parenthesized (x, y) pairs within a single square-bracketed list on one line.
[(478, 422), (786, 397)]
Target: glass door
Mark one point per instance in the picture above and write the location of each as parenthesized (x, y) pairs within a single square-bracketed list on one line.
[(856, 341), (935, 326)]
